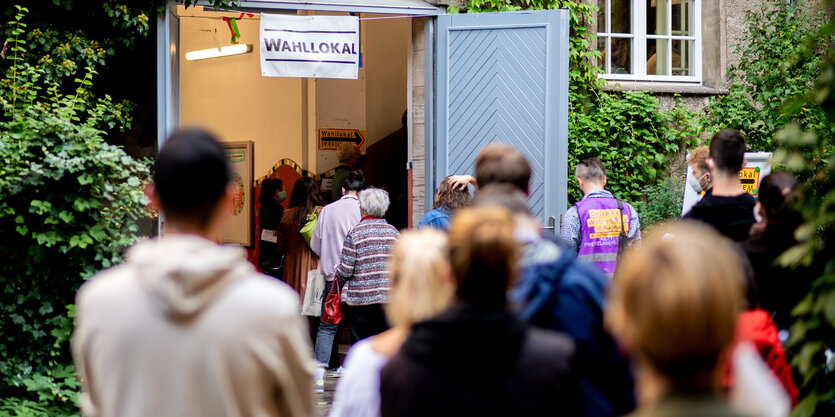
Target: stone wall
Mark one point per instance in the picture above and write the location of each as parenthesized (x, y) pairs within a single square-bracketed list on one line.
[(417, 127)]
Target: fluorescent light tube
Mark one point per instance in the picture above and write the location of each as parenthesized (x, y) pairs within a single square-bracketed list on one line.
[(219, 52)]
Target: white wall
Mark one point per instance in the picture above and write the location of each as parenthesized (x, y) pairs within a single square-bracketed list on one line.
[(230, 97)]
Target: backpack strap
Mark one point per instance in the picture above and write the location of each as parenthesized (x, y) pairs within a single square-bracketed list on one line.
[(622, 235), (546, 284)]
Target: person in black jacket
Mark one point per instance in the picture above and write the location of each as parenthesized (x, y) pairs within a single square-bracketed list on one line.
[(477, 358), (728, 208), (780, 288), (269, 216)]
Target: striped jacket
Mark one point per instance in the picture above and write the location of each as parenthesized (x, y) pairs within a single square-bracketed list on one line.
[(364, 262)]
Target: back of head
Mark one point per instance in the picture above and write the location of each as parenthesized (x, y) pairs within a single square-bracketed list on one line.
[(698, 158), (374, 202), (305, 196), (483, 255), (451, 198), (190, 176), (347, 151), (674, 304), (419, 274), (503, 195), (778, 193), (591, 170), (727, 150), (355, 181), (500, 163), (268, 189)]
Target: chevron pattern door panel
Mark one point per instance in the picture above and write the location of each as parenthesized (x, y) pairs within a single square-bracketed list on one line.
[(502, 77)]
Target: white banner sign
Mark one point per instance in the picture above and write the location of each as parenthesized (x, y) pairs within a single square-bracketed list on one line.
[(309, 46)]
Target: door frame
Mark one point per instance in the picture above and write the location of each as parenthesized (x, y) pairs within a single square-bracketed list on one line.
[(168, 104)]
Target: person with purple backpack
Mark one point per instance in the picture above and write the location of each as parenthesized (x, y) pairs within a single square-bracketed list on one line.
[(599, 226)]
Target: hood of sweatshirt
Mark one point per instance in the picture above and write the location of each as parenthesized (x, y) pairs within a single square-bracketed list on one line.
[(185, 273)]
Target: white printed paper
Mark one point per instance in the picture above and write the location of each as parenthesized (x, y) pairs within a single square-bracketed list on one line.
[(309, 46), (269, 235)]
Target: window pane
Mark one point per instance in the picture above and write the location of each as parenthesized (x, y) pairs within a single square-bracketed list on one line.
[(683, 57), (657, 17), (682, 13), (601, 46), (601, 16), (621, 16), (621, 56), (657, 57)]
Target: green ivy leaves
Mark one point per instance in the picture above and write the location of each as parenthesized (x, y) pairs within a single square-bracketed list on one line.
[(69, 205)]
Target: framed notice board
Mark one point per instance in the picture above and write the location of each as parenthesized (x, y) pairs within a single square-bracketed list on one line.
[(239, 228)]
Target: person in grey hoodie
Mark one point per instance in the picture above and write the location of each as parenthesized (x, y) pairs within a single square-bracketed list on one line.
[(187, 327)]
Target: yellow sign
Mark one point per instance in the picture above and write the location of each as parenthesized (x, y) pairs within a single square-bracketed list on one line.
[(332, 138), (750, 178), (606, 223)]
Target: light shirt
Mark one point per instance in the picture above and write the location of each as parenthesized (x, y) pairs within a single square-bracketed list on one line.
[(335, 221), (358, 391)]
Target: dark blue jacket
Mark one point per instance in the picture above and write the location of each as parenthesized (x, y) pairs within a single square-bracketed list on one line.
[(567, 295)]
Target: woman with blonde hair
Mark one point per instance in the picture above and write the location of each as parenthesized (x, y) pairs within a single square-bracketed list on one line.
[(673, 308), (421, 287)]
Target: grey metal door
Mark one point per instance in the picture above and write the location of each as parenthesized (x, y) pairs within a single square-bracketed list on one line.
[(503, 77)]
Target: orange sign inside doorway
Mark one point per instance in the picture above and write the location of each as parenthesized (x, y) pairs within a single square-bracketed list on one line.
[(332, 138)]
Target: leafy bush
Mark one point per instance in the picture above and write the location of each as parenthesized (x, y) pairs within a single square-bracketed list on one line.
[(808, 153), (69, 203), (780, 57), (663, 202), (633, 137)]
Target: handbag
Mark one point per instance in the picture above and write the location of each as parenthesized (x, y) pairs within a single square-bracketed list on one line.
[(312, 304), (274, 269), (332, 313), (309, 227)]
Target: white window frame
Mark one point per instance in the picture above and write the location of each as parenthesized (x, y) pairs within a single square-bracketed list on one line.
[(638, 52)]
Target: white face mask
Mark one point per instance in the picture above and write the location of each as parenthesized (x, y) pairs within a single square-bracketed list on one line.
[(696, 184)]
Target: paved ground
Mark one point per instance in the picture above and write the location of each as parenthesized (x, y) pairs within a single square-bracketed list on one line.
[(323, 400)]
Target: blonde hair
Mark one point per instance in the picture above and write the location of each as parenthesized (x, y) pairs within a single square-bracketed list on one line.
[(418, 269), (675, 301), (483, 255)]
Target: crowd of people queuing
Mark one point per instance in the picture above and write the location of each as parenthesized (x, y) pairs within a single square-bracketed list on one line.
[(475, 312)]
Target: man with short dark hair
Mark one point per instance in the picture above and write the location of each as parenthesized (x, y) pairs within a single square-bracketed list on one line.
[(187, 327), (728, 208), (598, 226)]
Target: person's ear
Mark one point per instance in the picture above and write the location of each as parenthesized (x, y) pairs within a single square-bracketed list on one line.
[(604, 182), (221, 215), (150, 192), (580, 183), (710, 164), (444, 272)]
